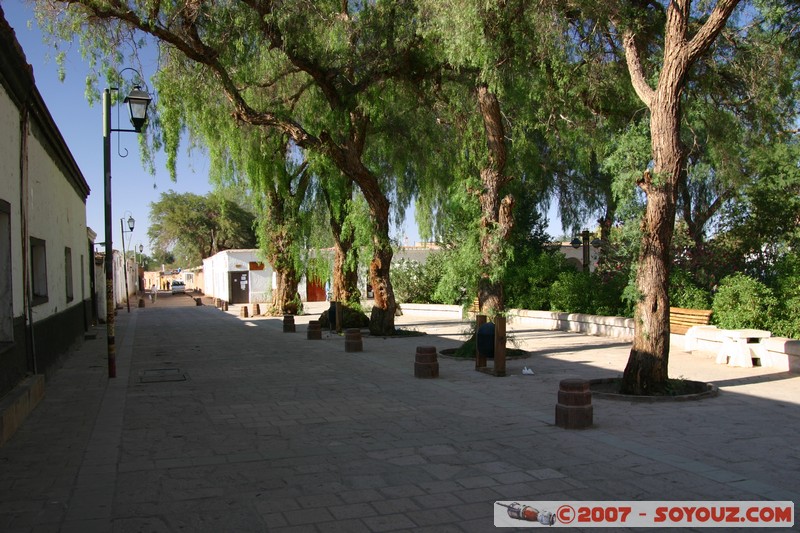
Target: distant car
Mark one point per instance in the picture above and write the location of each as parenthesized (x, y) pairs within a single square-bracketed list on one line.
[(178, 287)]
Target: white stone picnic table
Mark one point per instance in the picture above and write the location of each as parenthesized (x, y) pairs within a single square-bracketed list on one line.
[(741, 346)]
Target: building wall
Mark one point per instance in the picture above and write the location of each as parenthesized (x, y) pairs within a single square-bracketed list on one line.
[(217, 269), (43, 223), (57, 216), (10, 188)]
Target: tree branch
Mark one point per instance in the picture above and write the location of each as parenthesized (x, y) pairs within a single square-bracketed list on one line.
[(711, 28), (643, 90)]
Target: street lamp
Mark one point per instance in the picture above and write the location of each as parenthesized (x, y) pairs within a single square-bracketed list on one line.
[(137, 101), (131, 224), (583, 240)]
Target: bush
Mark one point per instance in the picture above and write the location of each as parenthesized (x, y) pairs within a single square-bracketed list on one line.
[(572, 293), (743, 302), (527, 285), (607, 290), (786, 321), (415, 282), (684, 292)]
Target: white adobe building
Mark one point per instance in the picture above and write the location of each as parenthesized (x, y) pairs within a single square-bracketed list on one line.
[(46, 250), (237, 277)]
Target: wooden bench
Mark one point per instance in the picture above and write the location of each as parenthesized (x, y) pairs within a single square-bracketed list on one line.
[(680, 319)]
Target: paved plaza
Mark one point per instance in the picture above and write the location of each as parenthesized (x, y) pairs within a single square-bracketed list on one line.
[(217, 423)]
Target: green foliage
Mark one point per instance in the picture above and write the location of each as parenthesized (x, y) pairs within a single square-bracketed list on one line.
[(192, 227), (786, 284), (596, 293), (528, 283), (572, 293), (685, 292), (743, 302), (416, 282)]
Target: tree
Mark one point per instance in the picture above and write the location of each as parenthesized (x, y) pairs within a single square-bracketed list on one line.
[(306, 71), (492, 46), (198, 226), (685, 40)]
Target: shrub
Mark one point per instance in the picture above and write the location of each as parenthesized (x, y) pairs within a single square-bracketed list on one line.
[(572, 293), (684, 292), (415, 282), (527, 285), (606, 293), (786, 318), (743, 302)]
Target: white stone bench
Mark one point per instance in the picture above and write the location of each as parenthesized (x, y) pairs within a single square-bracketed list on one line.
[(774, 352), (783, 353)]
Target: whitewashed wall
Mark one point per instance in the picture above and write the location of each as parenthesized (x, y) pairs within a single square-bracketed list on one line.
[(9, 190)]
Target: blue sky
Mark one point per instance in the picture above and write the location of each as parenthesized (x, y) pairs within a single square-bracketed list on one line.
[(132, 186), (81, 125)]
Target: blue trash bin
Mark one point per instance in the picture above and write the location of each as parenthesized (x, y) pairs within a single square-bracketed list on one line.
[(485, 340)]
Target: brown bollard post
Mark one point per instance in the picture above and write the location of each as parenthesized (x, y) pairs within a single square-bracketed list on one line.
[(352, 340), (288, 324), (314, 331), (141, 302), (243, 311), (426, 365), (574, 408), (218, 303), (254, 310), (198, 301), (499, 346), (224, 306)]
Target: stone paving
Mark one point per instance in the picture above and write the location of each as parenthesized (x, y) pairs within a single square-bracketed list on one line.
[(217, 423)]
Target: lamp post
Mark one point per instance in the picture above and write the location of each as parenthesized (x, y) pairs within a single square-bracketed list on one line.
[(131, 224), (137, 101), (583, 240)]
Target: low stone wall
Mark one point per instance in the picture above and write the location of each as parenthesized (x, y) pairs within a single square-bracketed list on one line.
[(606, 326), (433, 310)]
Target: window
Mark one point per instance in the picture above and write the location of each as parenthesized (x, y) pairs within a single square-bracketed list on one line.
[(68, 273), (38, 271), (6, 294)]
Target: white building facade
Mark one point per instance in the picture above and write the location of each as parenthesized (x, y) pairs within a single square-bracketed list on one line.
[(46, 252), (238, 276)]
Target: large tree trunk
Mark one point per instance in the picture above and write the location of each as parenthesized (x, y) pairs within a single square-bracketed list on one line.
[(345, 274), (496, 214), (646, 370), (285, 298), (347, 158), (381, 321)]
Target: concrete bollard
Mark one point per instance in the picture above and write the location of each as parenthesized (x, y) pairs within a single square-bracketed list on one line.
[(352, 340), (198, 301), (218, 303), (243, 311), (314, 331), (141, 302), (574, 408), (224, 306), (426, 364), (288, 324), (254, 310)]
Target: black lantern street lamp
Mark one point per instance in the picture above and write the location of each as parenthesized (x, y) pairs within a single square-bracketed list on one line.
[(138, 102), (131, 224), (583, 240)]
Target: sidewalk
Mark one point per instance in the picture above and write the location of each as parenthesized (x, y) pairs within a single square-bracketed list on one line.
[(217, 423)]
